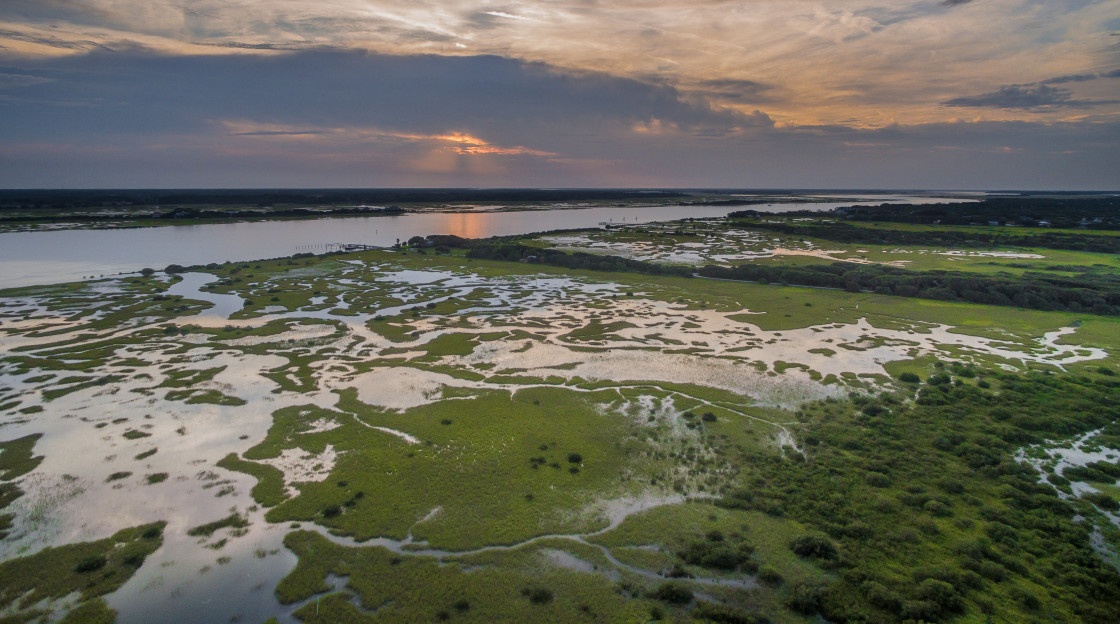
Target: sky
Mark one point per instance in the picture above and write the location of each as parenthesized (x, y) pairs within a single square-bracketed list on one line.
[(893, 94)]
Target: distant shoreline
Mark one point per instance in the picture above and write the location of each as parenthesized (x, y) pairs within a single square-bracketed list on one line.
[(52, 210)]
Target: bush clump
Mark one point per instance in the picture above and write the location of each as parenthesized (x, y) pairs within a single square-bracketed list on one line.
[(673, 593), (537, 595), (804, 598), (91, 563), (818, 546), (723, 614), (716, 554)]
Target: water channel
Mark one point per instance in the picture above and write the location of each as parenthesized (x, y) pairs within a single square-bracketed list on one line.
[(57, 256)]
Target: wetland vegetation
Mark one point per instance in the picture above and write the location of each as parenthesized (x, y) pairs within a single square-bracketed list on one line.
[(577, 426)]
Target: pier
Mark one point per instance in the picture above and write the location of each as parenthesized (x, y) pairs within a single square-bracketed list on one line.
[(329, 247)]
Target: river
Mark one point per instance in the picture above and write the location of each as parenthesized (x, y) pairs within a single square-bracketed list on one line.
[(52, 257)]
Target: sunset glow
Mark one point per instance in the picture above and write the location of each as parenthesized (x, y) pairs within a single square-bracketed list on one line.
[(629, 82)]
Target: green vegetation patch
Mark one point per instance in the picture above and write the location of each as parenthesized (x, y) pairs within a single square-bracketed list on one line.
[(921, 512), (269, 490), (232, 521), (16, 460), (406, 588), (209, 397), (16, 457), (90, 569), (485, 470)]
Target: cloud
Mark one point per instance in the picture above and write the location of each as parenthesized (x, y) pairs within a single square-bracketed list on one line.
[(323, 116), (1026, 97), (736, 89), (823, 62), (381, 119), (8, 81), (1080, 77), (457, 142), (1070, 78), (952, 3)]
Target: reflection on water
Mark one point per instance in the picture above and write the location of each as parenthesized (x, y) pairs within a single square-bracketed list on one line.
[(30, 258)]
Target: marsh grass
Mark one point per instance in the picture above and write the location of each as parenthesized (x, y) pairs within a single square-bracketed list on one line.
[(478, 469), (90, 569), (232, 521), (17, 457), (418, 589)]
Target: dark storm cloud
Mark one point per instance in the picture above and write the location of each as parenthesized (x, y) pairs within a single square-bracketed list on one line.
[(1025, 97), (139, 92)]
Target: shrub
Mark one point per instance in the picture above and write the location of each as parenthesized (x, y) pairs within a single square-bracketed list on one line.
[(575, 458), (134, 560), (723, 614), (91, 563), (873, 410), (715, 555), (769, 574), (952, 486), (882, 597), (942, 594), (818, 546), (877, 479), (909, 378), (937, 508), (673, 593), (1102, 500), (804, 598), (152, 532), (537, 595)]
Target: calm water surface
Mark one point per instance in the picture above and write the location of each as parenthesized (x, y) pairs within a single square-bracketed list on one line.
[(30, 258)]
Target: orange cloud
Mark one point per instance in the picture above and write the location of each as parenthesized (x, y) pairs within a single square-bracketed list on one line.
[(457, 142)]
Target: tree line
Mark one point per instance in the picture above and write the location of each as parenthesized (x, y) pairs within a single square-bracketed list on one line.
[(845, 233), (1101, 211), (1087, 292), (516, 252)]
